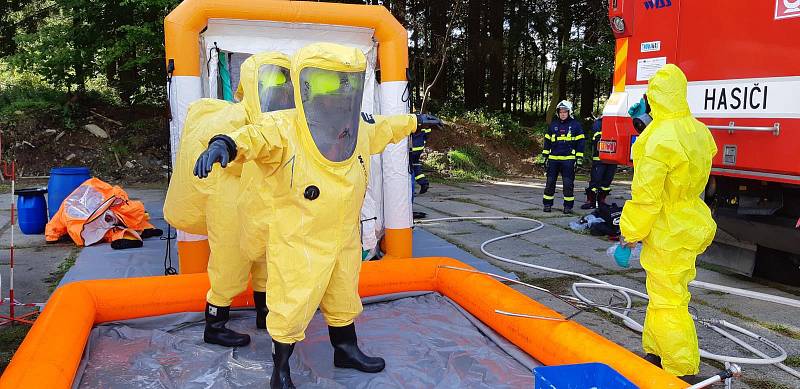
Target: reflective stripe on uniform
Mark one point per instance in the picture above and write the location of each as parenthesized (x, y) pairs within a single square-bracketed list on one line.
[(595, 158), (562, 157), (426, 130), (546, 197), (606, 188), (545, 152), (420, 176), (420, 148), (569, 198), (579, 154), (579, 137)]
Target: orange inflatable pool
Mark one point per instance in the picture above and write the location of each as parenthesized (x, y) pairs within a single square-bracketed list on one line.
[(50, 355)]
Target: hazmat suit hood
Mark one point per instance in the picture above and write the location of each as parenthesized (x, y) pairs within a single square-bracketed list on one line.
[(265, 84), (331, 87), (666, 93)]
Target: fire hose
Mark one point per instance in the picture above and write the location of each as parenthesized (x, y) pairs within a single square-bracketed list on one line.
[(719, 326)]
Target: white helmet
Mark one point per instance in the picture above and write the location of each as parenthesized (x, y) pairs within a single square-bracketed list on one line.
[(564, 104)]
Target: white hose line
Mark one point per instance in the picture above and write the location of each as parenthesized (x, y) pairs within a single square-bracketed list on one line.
[(626, 292)]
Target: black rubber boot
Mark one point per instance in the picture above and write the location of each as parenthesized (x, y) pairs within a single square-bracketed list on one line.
[(547, 208), (601, 198), (260, 302), (568, 211), (591, 201), (281, 376), (346, 353), (654, 359), (216, 333)]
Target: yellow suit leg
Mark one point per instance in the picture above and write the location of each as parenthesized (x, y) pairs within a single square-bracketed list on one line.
[(669, 330), (341, 303), (228, 272), (297, 281)]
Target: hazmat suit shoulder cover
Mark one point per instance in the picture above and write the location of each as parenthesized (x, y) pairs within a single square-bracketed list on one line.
[(184, 206)]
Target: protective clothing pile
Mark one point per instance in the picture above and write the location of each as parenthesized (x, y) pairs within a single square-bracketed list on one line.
[(602, 173), (672, 162), (563, 146), (229, 206), (98, 212), (604, 221), (316, 161)]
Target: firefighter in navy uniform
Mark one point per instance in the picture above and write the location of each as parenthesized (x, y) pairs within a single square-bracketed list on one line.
[(562, 151), (602, 173), (418, 140)]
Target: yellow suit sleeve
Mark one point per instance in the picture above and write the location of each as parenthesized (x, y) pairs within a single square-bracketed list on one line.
[(262, 143), (390, 129), (650, 173)]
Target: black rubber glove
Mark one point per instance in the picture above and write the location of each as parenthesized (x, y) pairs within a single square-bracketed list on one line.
[(428, 121), (423, 188), (220, 150)]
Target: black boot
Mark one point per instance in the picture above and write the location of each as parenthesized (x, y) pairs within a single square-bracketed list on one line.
[(591, 200), (346, 353), (601, 198), (216, 333), (654, 359), (260, 302), (547, 208), (281, 376)]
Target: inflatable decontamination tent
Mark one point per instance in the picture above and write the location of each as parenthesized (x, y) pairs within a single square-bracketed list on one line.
[(435, 321)]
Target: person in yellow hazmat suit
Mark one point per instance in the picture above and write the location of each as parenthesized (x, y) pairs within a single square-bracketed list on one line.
[(672, 161), (318, 165), (264, 86)]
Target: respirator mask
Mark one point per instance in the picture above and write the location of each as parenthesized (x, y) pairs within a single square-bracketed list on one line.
[(640, 113)]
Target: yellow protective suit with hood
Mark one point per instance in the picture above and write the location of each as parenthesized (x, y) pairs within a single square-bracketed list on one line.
[(317, 163), (672, 162), (213, 201)]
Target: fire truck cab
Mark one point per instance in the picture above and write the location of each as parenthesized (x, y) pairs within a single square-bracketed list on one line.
[(741, 60)]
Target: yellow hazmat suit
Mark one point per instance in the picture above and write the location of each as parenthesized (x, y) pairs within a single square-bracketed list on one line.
[(672, 161), (264, 87), (210, 206), (317, 158)]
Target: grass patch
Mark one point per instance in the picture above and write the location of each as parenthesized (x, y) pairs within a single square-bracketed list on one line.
[(10, 339), (779, 328), (56, 276), (763, 384), (461, 164), (792, 360)]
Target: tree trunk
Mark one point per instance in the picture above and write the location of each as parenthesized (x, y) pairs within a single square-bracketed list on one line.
[(438, 26), (474, 63), (494, 24), (559, 85)]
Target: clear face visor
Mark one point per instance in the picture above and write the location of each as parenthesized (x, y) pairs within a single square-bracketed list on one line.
[(275, 91), (332, 105)]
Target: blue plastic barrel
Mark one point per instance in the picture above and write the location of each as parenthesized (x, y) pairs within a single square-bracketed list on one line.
[(63, 180), (580, 376), (31, 210)]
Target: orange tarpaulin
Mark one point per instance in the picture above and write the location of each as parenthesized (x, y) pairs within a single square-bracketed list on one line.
[(97, 211)]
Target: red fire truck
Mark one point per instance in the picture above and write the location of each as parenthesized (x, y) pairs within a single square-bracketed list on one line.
[(742, 60)]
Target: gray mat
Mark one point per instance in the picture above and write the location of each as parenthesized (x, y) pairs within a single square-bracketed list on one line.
[(426, 340), (102, 262), (427, 244)]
